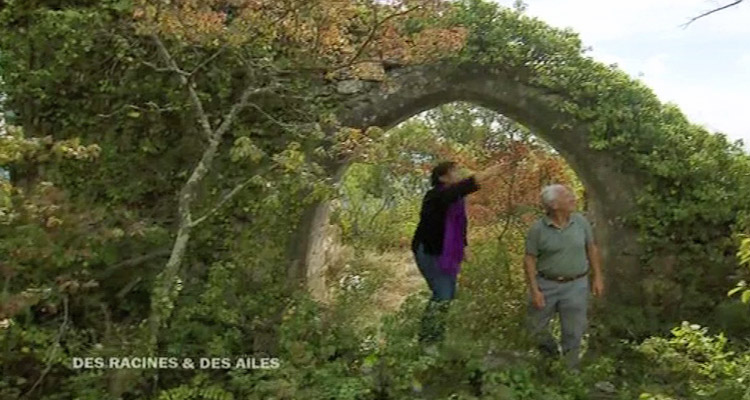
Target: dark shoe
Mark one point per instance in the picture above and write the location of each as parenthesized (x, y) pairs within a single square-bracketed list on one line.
[(548, 352)]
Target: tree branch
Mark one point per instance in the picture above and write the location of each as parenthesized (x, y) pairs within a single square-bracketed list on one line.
[(125, 290), (161, 69), (53, 350), (165, 290), (509, 203), (134, 261), (153, 107), (228, 197), (376, 26), (242, 103), (271, 117), (208, 60), (263, 65), (202, 116), (715, 10)]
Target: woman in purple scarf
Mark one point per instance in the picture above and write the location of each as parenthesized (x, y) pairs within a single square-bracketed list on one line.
[(440, 239)]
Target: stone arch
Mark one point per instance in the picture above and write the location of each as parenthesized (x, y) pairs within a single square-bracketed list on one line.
[(411, 90)]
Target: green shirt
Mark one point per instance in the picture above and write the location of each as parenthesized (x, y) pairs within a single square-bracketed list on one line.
[(560, 252)]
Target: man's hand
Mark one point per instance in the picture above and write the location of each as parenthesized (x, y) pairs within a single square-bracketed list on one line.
[(597, 288), (538, 298)]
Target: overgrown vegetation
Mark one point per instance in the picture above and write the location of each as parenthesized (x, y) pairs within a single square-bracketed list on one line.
[(162, 155)]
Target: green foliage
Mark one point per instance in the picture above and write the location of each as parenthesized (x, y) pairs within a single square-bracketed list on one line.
[(703, 365), (497, 313), (314, 350), (377, 207), (107, 141), (744, 259), (695, 182), (198, 388)]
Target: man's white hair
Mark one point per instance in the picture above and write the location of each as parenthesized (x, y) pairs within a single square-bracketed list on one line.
[(550, 194)]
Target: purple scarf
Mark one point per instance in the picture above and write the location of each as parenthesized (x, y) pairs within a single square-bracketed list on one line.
[(453, 238)]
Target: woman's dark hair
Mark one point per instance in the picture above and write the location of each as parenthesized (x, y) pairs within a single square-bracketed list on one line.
[(440, 170)]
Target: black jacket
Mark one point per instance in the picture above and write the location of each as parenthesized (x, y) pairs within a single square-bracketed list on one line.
[(431, 227)]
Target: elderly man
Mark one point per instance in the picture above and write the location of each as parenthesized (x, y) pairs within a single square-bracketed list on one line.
[(560, 253)]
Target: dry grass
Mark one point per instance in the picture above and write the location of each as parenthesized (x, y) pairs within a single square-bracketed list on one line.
[(395, 271), (403, 279)]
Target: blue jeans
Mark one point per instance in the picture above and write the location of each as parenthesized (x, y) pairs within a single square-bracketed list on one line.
[(570, 301), (443, 287)]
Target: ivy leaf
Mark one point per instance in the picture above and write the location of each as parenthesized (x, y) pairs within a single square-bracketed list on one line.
[(245, 149), (739, 288)]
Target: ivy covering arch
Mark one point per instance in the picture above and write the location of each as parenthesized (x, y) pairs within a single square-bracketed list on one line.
[(169, 163), (665, 194), (90, 79)]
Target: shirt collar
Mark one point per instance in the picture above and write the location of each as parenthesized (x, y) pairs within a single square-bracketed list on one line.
[(548, 221)]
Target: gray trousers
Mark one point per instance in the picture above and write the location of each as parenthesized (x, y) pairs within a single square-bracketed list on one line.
[(570, 301)]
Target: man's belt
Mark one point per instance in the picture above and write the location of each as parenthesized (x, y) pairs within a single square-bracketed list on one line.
[(563, 278)]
